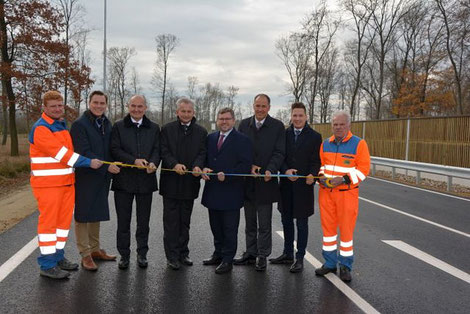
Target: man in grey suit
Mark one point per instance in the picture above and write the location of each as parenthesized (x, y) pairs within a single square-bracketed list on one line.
[(268, 140)]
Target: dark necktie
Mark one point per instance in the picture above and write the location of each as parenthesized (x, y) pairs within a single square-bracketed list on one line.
[(99, 123), (221, 141), (258, 125), (136, 124), (296, 134)]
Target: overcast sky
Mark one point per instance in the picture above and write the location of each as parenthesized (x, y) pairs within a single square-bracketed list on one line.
[(226, 41)]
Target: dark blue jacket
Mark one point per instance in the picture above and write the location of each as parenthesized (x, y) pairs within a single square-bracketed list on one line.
[(91, 186), (235, 156)]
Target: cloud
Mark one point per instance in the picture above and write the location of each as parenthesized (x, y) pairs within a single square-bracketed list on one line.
[(229, 42)]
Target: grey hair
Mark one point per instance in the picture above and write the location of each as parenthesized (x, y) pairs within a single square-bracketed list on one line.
[(184, 100), (138, 96), (341, 113)]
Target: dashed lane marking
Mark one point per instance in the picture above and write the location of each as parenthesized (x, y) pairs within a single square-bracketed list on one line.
[(344, 288), (431, 260), (417, 217), (18, 258)]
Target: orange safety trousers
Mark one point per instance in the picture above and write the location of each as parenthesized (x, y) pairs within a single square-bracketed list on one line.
[(338, 209), (55, 205)]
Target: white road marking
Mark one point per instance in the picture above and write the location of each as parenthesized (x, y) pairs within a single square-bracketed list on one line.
[(344, 288), (416, 217), (431, 260), (421, 189), (18, 258)]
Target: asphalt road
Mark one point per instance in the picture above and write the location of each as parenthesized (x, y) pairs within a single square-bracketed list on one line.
[(390, 280)]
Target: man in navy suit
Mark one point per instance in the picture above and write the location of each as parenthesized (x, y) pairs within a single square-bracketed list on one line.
[(228, 151)]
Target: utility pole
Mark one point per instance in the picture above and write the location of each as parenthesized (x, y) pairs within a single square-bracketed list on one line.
[(104, 50)]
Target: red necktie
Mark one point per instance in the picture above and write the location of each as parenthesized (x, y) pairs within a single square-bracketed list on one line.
[(221, 141)]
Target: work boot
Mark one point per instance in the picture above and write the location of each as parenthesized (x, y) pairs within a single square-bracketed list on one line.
[(324, 270), (65, 264), (55, 273), (344, 274)]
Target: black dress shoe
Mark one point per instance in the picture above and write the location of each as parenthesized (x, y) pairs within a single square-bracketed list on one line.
[(186, 261), (142, 261), (245, 259), (283, 259), (214, 260), (297, 267), (123, 263), (324, 270), (344, 274), (260, 263), (223, 268), (175, 265)]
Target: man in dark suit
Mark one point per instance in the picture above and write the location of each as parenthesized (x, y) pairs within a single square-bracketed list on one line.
[(228, 151), (267, 136), (135, 140), (302, 158), (91, 135), (183, 146)]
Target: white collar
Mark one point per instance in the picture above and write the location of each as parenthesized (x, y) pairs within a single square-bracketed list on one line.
[(138, 122), (226, 133)]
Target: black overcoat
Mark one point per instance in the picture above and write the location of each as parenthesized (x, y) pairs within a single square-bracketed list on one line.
[(128, 143), (303, 155), (91, 185), (268, 153), (180, 145)]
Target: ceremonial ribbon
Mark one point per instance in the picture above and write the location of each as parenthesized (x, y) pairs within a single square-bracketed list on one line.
[(327, 181)]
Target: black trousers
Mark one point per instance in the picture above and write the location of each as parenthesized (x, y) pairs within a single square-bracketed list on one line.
[(258, 228), (123, 202), (224, 226), (176, 221)]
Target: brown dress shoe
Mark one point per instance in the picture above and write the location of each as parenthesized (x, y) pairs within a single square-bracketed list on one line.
[(103, 256), (88, 263)]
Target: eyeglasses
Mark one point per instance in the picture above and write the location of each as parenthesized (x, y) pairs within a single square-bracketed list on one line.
[(224, 119)]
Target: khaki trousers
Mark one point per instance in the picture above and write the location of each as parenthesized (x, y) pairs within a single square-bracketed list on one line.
[(88, 237)]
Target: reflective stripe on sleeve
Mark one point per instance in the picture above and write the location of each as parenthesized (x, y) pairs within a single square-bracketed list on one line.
[(73, 159), (60, 245), (51, 172), (61, 153)]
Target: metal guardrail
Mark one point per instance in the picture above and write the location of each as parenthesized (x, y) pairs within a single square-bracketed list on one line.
[(419, 167)]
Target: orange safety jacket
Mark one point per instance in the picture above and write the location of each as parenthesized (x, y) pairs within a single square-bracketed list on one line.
[(349, 157), (52, 155)]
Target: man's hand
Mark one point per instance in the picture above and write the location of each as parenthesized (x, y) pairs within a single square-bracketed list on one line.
[(114, 169), (291, 172), (180, 169), (152, 168), (141, 162), (267, 176), (204, 176), (322, 181), (310, 179), (334, 182), (196, 169), (255, 169), (221, 176), (95, 163)]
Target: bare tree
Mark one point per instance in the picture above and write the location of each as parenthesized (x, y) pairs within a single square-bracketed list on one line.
[(359, 47), (118, 59), (455, 15), (385, 16), (166, 43), (135, 82), (320, 29), (327, 74), (294, 51)]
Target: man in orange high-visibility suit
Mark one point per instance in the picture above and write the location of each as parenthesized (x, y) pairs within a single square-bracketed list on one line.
[(52, 181), (345, 162)]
